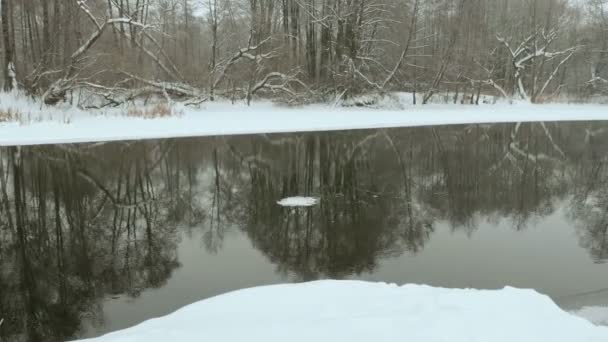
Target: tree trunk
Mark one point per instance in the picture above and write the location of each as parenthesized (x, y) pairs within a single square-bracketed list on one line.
[(8, 65)]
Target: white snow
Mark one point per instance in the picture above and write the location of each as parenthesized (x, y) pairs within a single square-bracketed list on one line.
[(298, 201), (358, 311), (66, 124), (594, 314)]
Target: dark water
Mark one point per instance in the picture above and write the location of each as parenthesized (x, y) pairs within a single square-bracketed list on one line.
[(99, 237)]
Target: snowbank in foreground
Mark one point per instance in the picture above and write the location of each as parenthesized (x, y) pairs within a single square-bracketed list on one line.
[(359, 311), (63, 124)]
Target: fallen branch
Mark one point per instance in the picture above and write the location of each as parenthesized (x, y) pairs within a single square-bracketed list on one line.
[(58, 89), (171, 88), (244, 53), (284, 85)]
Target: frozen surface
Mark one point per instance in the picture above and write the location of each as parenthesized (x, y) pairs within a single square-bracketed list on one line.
[(358, 311), (298, 202), (65, 124)]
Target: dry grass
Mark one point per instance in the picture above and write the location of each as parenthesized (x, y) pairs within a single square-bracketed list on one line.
[(542, 99), (9, 115), (13, 115), (161, 110)]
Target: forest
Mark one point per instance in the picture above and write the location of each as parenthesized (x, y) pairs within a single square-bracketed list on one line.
[(303, 51)]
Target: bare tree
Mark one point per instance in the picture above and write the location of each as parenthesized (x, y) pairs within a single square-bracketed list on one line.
[(535, 47), (209, 49), (8, 65)]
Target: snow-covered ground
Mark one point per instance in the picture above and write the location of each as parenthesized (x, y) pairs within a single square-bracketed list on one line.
[(359, 311), (65, 124)]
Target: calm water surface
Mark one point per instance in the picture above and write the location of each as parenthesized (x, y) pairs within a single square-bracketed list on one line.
[(100, 237)]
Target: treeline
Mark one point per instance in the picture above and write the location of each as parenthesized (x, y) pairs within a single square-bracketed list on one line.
[(117, 51)]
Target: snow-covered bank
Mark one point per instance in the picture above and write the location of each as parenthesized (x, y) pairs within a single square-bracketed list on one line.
[(359, 311), (44, 125)]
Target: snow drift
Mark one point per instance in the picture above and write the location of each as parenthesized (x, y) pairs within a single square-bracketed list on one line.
[(360, 311)]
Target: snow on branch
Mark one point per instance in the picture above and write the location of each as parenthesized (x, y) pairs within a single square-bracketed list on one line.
[(250, 53), (533, 47), (58, 89), (171, 88), (284, 85)]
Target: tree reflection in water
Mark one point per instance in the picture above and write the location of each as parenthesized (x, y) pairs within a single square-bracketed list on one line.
[(82, 222), (589, 204)]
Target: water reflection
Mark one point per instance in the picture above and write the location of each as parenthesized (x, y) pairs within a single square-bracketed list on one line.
[(79, 223), (589, 207)]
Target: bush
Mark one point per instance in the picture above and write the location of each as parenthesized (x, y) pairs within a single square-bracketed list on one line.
[(161, 110), (8, 115)]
